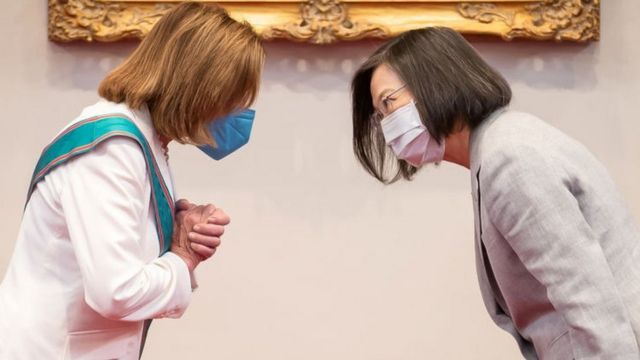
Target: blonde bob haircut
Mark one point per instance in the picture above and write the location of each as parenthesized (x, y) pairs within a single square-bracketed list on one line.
[(197, 64)]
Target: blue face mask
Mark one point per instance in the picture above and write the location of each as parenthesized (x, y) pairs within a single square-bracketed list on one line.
[(230, 133)]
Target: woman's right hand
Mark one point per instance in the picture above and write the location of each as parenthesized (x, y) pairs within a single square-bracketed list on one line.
[(205, 238), (181, 244)]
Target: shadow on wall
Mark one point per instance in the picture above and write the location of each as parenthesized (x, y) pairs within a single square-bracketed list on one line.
[(540, 65), (81, 66), (312, 68), (543, 65), (299, 67)]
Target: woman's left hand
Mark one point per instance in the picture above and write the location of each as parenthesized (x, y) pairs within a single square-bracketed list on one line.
[(205, 237)]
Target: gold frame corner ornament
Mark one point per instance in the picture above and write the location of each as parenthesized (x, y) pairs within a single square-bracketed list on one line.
[(572, 20), (330, 21), (104, 21)]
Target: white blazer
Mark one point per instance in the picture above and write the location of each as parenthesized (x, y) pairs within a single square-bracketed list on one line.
[(85, 272)]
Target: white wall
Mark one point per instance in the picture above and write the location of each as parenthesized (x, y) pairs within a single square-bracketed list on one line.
[(321, 262)]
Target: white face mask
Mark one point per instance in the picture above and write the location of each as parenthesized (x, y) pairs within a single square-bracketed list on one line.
[(409, 138)]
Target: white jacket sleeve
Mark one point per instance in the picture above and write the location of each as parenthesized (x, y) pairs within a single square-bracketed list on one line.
[(104, 198)]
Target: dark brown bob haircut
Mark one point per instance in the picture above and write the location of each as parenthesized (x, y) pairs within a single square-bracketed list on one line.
[(450, 83), (197, 64)]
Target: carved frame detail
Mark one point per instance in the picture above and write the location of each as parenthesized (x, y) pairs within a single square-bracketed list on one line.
[(329, 21)]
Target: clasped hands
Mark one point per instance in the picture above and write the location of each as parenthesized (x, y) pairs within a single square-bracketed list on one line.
[(197, 231)]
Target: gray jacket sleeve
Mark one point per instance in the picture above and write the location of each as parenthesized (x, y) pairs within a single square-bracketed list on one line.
[(529, 199)]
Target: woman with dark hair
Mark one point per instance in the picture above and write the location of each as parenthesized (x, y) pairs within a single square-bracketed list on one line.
[(558, 252)]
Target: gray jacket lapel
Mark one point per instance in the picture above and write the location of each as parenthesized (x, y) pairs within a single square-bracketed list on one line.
[(475, 156)]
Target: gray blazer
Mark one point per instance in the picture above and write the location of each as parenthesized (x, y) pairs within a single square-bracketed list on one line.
[(558, 253)]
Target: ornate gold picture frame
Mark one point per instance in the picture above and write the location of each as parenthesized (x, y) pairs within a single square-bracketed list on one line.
[(328, 21)]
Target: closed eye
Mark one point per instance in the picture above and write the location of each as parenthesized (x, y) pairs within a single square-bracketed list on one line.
[(386, 102)]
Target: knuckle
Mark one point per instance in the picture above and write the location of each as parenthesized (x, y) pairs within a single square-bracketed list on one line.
[(193, 215)]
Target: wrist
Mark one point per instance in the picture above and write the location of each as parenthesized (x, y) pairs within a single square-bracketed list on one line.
[(191, 264)]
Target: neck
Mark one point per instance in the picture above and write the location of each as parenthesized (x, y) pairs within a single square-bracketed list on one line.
[(457, 147), (164, 141)]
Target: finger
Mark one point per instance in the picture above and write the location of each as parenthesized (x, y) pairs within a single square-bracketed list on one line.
[(216, 221), (210, 241), (219, 217), (184, 204), (209, 229), (209, 210), (203, 251), (197, 214)]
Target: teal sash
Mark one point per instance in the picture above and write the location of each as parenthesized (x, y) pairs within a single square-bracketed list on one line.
[(84, 136)]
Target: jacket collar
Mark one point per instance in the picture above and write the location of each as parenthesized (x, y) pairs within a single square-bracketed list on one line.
[(475, 140)]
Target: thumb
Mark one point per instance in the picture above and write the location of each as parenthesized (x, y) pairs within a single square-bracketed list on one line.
[(184, 204)]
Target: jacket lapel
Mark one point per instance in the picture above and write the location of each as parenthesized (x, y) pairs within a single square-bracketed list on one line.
[(482, 263)]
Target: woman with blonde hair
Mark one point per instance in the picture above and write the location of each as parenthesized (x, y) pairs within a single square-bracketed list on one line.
[(103, 247)]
